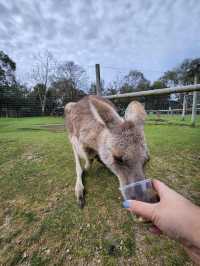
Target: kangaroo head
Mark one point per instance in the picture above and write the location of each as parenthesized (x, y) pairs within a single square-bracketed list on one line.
[(122, 145)]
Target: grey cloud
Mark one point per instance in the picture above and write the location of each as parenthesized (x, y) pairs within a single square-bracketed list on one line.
[(4, 35), (124, 33), (63, 9), (4, 11), (91, 34), (15, 9), (70, 31)]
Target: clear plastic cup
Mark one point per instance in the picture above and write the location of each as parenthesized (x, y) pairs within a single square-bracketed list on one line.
[(141, 190)]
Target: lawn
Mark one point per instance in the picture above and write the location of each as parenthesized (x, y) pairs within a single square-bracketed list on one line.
[(172, 119), (40, 223)]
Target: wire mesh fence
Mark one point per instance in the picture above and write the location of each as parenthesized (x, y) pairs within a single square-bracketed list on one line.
[(171, 106), (161, 109), (31, 106)]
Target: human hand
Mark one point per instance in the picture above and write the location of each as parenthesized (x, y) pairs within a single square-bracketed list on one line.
[(174, 215)]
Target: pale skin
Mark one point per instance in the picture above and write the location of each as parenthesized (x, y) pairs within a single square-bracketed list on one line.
[(174, 216)]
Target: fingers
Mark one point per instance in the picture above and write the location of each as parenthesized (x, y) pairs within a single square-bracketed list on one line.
[(140, 208), (160, 187)]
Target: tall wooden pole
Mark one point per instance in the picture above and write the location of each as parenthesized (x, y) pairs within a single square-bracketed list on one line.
[(184, 107), (98, 79), (194, 104)]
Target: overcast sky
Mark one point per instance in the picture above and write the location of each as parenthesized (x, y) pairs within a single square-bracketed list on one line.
[(150, 35)]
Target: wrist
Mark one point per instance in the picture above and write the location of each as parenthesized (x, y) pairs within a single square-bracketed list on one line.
[(194, 228)]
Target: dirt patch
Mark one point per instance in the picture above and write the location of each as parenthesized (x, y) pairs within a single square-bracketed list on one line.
[(54, 127), (50, 127), (29, 129)]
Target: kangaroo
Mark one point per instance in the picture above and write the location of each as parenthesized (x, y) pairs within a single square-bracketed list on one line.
[(96, 130)]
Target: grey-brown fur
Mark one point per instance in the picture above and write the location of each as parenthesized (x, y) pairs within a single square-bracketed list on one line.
[(96, 129)]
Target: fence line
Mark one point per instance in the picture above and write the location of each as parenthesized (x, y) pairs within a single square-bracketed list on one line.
[(172, 111), (178, 89)]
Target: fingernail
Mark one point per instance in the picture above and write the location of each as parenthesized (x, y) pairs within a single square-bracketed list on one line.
[(126, 204)]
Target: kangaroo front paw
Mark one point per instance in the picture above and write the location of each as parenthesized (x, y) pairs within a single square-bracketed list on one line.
[(79, 192), (81, 201)]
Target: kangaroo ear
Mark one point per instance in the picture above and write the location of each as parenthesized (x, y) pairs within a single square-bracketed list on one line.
[(135, 112), (105, 113)]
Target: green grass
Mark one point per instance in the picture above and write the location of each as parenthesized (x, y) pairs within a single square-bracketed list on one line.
[(40, 223), (165, 119)]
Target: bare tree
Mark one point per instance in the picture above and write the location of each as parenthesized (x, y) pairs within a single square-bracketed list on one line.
[(43, 73)]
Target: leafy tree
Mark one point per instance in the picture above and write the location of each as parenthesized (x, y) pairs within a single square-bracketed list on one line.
[(190, 69), (93, 90), (158, 101), (134, 81), (63, 92), (170, 78), (8, 85), (184, 75), (74, 74), (7, 70), (111, 90)]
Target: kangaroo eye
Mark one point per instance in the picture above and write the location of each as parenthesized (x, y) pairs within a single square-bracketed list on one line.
[(119, 159)]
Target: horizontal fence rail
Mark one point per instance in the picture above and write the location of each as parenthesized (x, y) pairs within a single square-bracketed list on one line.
[(170, 110), (178, 89)]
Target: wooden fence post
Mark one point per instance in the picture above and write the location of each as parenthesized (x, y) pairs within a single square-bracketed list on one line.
[(184, 107), (194, 104), (98, 80)]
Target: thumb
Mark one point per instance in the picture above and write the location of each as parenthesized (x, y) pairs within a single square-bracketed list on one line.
[(161, 188), (146, 210)]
